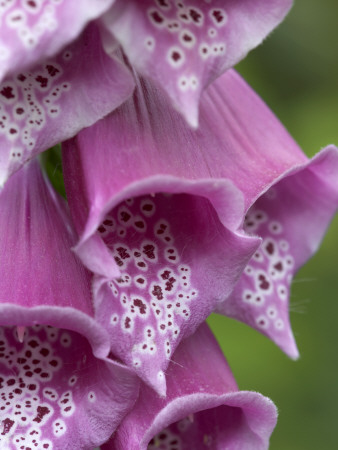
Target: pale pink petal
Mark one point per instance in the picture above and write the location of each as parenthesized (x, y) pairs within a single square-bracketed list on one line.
[(31, 30), (292, 218), (203, 408), (183, 46), (55, 99)]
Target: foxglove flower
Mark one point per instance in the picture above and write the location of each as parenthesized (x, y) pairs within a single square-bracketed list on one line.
[(54, 99), (161, 225), (203, 407), (58, 388), (184, 45), (53, 85)]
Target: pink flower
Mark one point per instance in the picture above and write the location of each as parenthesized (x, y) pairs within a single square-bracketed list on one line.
[(55, 375), (203, 407), (169, 218), (61, 70)]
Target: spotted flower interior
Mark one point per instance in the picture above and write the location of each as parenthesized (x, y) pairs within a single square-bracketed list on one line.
[(184, 45), (163, 288), (51, 391), (38, 106)]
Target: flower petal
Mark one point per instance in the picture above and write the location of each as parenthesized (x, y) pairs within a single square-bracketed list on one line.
[(54, 100), (34, 30), (41, 280), (56, 394), (169, 249), (184, 47), (291, 217), (52, 387), (202, 407)]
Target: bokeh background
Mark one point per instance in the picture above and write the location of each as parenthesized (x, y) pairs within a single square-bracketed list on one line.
[(296, 72)]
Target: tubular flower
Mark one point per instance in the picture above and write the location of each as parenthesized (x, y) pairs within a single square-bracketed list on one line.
[(57, 77), (203, 407), (162, 226), (183, 46), (58, 388)]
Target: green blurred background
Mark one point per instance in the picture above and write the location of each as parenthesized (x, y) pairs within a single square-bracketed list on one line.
[(296, 73)]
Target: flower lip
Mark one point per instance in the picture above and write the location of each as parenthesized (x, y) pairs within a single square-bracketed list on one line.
[(59, 317), (203, 404), (223, 195)]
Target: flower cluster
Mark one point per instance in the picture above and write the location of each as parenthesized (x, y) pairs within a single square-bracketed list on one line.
[(185, 196)]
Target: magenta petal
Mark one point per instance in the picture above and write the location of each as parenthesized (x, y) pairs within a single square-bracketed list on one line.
[(291, 217), (56, 394), (34, 30), (53, 389), (184, 47), (55, 99), (202, 407), (41, 280)]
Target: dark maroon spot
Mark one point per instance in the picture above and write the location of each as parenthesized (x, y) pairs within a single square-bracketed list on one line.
[(31, 3), (33, 343), (217, 14), (157, 17), (139, 304), (101, 229), (53, 363), (175, 56), (157, 292), (41, 412), (29, 373), (68, 408), (44, 352), (7, 425), (125, 216), (127, 322), (140, 280), (13, 131), (123, 253), (10, 382), (162, 326), (52, 70), (147, 207), (43, 81), (137, 254), (264, 283), (165, 274), (187, 38), (7, 92), (108, 222), (139, 224), (118, 261), (149, 250), (195, 15), (184, 17), (270, 248), (44, 375), (279, 266), (21, 77), (162, 229), (170, 284)]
